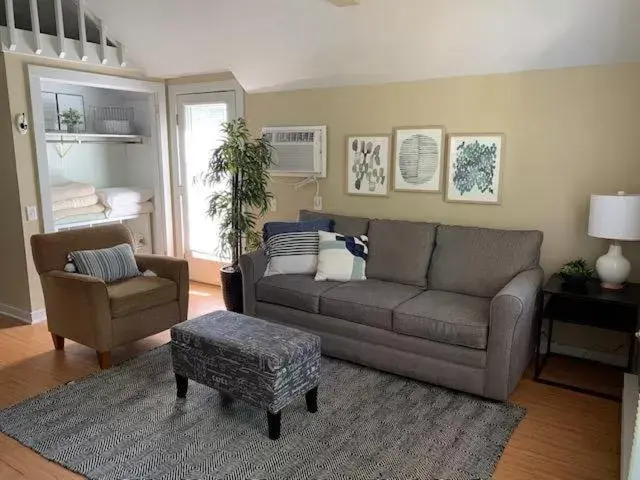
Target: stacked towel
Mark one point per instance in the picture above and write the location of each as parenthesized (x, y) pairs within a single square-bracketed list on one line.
[(73, 199), (126, 201)]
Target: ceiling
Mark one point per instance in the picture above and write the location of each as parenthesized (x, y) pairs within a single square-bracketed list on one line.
[(290, 44)]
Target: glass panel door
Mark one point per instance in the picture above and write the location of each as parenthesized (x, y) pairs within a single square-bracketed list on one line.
[(200, 132)]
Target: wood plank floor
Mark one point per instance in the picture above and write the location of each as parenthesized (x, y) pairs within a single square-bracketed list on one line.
[(565, 435)]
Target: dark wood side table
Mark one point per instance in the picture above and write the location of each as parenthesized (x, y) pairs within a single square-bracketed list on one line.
[(593, 306)]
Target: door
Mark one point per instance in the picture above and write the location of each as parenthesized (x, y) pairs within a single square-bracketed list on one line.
[(200, 118)]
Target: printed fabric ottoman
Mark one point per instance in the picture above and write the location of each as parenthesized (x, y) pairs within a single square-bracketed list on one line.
[(264, 364)]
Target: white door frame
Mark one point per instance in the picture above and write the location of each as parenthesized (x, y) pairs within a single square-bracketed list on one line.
[(163, 224), (176, 178)]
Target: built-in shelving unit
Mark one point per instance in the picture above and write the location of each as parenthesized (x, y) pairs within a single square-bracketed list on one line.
[(65, 137)]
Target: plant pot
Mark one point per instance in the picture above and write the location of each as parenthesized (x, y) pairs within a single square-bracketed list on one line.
[(576, 283), (231, 280)]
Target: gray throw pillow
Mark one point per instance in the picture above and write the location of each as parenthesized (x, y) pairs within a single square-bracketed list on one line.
[(110, 264)]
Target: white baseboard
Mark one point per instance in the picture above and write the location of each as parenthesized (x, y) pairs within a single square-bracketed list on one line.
[(37, 316)]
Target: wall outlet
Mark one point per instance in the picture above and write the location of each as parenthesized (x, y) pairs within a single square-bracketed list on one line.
[(273, 205), (32, 213), (317, 202)]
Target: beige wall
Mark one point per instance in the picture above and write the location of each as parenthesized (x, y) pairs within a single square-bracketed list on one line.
[(569, 133), (25, 157), (14, 286)]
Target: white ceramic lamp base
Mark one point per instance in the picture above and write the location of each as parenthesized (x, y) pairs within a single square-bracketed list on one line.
[(612, 268)]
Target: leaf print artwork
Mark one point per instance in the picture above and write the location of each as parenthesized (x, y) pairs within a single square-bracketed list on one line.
[(367, 159), (474, 166)]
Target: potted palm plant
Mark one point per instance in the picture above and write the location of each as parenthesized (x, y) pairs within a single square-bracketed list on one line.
[(242, 164)]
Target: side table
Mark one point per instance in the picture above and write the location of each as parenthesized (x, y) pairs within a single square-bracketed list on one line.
[(593, 306)]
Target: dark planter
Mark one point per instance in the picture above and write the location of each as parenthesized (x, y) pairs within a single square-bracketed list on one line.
[(231, 280), (575, 283)]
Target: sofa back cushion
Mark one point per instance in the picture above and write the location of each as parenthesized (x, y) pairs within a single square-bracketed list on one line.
[(480, 261), (344, 224), (400, 251)]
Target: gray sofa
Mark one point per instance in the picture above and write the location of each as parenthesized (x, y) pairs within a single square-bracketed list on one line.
[(453, 306)]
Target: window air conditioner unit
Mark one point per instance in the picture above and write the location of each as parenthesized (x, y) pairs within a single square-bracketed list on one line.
[(298, 151)]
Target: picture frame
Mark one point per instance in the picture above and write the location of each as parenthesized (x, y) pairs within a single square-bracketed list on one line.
[(475, 164), (367, 165), (418, 159), (64, 102)]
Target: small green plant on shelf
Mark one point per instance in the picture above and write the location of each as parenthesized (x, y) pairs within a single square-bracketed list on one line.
[(72, 119), (576, 271)]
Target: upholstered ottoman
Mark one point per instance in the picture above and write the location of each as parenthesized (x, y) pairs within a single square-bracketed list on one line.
[(264, 364)]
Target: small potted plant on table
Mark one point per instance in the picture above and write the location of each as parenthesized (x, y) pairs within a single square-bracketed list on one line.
[(242, 163), (576, 273)]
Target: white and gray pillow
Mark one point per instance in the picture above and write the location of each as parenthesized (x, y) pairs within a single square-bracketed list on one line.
[(342, 257), (109, 264), (292, 252)]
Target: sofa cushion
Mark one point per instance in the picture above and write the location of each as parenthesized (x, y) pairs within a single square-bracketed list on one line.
[(481, 261), (140, 293), (343, 224), (370, 302), (445, 317), (295, 291), (400, 251)]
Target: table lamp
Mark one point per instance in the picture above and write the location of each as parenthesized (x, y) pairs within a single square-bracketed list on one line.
[(614, 217)]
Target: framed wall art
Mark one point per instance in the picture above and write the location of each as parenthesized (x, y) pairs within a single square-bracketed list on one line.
[(474, 167), (368, 165), (418, 157)]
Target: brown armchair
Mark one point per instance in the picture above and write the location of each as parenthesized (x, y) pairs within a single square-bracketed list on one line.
[(103, 316)]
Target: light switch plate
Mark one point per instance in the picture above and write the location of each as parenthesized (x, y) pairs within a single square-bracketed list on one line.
[(32, 213), (273, 205), (317, 202)]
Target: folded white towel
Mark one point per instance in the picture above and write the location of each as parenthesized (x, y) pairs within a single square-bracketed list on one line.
[(97, 208), (71, 190), (132, 209), (117, 197), (77, 202)]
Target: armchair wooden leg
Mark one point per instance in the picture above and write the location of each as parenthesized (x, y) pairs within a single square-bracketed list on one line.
[(104, 359), (58, 341)]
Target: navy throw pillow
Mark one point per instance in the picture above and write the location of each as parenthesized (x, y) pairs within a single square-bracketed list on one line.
[(276, 228)]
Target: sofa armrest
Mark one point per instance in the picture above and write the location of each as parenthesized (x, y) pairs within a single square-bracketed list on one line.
[(175, 269), (252, 266), (78, 308), (512, 322)]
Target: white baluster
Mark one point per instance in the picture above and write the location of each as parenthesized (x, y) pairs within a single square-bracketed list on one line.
[(60, 29), (11, 25), (103, 43), (82, 28), (35, 27)]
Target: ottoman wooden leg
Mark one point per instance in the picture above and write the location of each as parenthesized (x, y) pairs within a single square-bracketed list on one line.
[(274, 425), (225, 399), (182, 383), (312, 400)]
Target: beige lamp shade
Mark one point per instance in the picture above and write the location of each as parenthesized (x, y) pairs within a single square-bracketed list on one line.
[(615, 217)]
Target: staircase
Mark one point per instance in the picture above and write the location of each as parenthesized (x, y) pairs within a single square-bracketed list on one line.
[(62, 29)]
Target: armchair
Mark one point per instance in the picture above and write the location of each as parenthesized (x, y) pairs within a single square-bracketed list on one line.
[(103, 316)]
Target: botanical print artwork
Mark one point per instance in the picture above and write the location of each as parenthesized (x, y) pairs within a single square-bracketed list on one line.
[(418, 159), (473, 168), (368, 165)]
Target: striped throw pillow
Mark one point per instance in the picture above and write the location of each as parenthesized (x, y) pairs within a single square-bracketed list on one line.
[(342, 258), (110, 264), (293, 252)]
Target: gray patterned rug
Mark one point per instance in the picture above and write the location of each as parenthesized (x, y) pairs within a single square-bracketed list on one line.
[(127, 423)]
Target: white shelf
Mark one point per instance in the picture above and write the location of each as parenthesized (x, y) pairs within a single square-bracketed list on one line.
[(64, 137), (98, 221)]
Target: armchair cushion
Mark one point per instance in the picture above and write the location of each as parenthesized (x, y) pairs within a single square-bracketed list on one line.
[(140, 293)]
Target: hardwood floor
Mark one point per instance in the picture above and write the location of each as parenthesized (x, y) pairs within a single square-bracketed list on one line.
[(565, 435)]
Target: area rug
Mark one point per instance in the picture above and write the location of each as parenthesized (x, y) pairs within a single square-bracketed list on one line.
[(126, 423)]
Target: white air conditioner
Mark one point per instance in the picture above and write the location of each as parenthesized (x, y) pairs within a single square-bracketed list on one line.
[(298, 151)]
